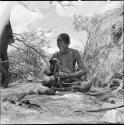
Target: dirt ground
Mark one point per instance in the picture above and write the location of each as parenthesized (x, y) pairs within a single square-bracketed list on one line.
[(69, 107)]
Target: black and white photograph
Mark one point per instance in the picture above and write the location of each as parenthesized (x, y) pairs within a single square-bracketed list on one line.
[(61, 62)]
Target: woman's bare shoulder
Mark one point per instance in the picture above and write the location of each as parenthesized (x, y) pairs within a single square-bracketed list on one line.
[(75, 51)]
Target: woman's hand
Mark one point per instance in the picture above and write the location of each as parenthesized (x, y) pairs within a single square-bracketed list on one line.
[(62, 75)]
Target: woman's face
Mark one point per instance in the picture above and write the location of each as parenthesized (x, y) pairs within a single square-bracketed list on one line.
[(62, 46)]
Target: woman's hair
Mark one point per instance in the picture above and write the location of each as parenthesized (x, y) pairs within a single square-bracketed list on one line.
[(63, 37)]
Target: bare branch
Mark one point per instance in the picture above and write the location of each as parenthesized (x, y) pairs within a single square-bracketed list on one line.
[(64, 5), (17, 48), (27, 7)]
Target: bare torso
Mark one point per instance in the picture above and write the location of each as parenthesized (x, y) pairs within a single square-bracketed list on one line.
[(67, 59)]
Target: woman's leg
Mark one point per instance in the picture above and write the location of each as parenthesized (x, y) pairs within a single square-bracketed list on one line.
[(49, 81)]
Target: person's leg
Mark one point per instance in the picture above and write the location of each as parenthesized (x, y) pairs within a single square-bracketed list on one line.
[(84, 77), (49, 81), (0, 78), (5, 67), (85, 85), (5, 77), (2, 69)]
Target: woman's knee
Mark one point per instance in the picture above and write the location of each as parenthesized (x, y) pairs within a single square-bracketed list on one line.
[(48, 80)]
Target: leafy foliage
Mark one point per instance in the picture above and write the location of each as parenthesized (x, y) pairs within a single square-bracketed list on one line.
[(30, 56), (103, 54)]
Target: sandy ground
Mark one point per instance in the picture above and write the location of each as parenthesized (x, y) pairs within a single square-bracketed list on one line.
[(66, 108)]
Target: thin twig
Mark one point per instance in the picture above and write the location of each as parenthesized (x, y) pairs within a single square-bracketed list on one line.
[(27, 6), (105, 109)]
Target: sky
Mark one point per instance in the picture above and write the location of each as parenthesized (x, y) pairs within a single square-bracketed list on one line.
[(55, 17)]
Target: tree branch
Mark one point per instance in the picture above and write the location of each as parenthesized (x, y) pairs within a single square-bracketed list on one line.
[(26, 6), (31, 46)]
